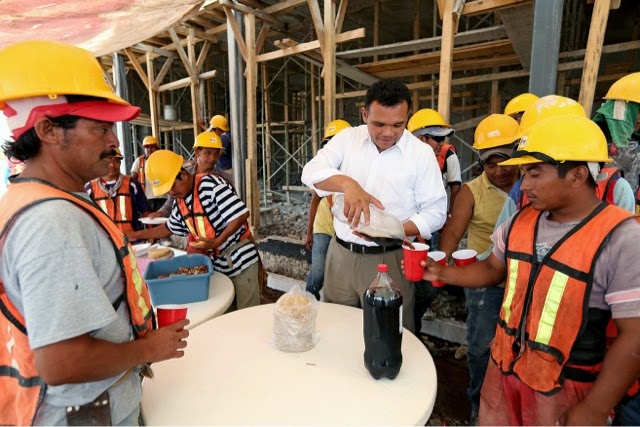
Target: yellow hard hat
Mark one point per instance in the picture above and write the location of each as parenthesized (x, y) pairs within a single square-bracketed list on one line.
[(219, 122), (208, 140), (334, 127), (494, 131), (561, 138), (428, 121), (520, 103), (626, 89), (161, 170), (149, 140), (547, 106), (48, 68), (118, 153)]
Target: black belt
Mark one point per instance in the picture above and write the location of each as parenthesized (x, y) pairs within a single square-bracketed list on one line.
[(366, 250)]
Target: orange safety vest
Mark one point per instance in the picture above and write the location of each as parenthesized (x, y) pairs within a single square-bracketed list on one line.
[(141, 178), (21, 388), (119, 207), (604, 188), (197, 219), (442, 156), (545, 308)]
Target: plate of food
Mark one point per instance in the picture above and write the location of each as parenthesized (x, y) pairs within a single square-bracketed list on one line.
[(157, 252), (154, 221)]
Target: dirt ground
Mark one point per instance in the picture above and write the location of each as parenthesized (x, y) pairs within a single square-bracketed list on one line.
[(452, 406)]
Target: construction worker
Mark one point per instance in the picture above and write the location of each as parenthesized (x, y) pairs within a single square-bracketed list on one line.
[(76, 319), (378, 163), (320, 226), (207, 149), (619, 118), (518, 105), (429, 127), (475, 212), (220, 125), (150, 145), (207, 207), (569, 260), (612, 188), (119, 196)]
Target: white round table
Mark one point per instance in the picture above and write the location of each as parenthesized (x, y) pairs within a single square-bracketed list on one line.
[(231, 374)]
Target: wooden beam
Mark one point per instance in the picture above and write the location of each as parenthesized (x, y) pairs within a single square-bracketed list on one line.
[(194, 86), (153, 97), (314, 9), (376, 27), (251, 76), (163, 71), (488, 6), (262, 36), (250, 11), (329, 57), (303, 47), (202, 56), (468, 124), (615, 4), (231, 20), (283, 6), (449, 25), (136, 66), (342, 12), (186, 81), (183, 55), (593, 52)]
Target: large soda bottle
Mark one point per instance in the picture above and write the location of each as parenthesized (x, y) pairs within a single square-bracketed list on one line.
[(383, 326)]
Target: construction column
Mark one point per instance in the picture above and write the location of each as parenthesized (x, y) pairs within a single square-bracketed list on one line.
[(547, 25)]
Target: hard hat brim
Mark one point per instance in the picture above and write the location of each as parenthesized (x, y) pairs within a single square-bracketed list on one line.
[(435, 131), (517, 161), (162, 189)]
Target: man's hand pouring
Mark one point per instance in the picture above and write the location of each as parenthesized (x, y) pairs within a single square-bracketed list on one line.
[(356, 202)]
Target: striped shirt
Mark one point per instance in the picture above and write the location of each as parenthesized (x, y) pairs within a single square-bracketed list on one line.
[(222, 205)]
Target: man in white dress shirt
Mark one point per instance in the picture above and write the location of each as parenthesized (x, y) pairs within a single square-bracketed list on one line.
[(382, 164)]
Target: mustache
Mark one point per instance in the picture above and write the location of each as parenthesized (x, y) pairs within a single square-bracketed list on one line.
[(109, 153)]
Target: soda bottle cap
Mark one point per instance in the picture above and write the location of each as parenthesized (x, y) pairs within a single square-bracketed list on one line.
[(383, 268)]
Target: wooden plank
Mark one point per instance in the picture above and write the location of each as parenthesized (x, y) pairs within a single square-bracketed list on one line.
[(446, 59), (376, 27), (251, 77), (185, 81), (283, 6), (262, 36), (488, 6), (202, 56), (468, 124), (196, 105), (593, 53), (467, 37), (163, 71), (153, 97), (266, 108), (231, 20), (342, 12), (250, 11), (304, 47), (136, 66), (183, 55), (314, 9), (329, 59), (615, 4)]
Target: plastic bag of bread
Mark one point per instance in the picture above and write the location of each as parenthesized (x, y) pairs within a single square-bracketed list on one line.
[(381, 224), (294, 321)]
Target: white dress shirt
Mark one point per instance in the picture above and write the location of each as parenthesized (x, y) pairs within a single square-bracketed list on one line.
[(405, 178)]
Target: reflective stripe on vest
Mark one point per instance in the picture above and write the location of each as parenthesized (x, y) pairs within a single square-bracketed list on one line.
[(21, 388), (196, 219), (546, 303), (119, 207), (141, 177)]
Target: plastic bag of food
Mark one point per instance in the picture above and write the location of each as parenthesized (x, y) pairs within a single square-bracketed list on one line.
[(294, 321), (381, 223)]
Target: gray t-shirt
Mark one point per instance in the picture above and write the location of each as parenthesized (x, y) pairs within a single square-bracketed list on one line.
[(616, 286), (60, 271)]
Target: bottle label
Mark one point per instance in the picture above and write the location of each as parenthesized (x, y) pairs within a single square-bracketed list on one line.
[(400, 320)]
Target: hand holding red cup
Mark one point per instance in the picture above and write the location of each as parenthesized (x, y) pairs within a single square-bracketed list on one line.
[(413, 269), (170, 313), (464, 257), (441, 258)]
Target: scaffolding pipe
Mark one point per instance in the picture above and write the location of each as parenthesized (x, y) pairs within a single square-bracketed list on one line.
[(123, 129)]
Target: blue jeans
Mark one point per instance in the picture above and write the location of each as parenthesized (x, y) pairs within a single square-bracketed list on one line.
[(629, 413), (483, 308), (315, 278)]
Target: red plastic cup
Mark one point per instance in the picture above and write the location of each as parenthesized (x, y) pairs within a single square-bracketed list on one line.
[(413, 270), (170, 314), (439, 257), (464, 257)]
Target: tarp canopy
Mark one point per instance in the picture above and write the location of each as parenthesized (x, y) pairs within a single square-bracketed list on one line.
[(101, 26)]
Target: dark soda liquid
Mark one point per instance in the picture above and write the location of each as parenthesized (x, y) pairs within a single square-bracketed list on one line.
[(382, 332)]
